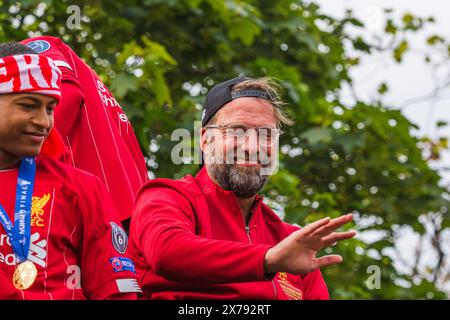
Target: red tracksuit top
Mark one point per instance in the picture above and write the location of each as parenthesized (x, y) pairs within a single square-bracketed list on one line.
[(94, 127), (189, 241)]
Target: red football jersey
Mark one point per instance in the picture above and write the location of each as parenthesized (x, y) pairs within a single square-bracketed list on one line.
[(77, 242), (94, 127)]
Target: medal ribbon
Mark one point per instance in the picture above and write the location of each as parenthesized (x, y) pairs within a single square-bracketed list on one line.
[(19, 234)]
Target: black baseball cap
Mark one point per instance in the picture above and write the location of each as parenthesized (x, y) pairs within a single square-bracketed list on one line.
[(221, 94)]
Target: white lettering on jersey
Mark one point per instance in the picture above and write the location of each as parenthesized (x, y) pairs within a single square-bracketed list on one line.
[(37, 253)]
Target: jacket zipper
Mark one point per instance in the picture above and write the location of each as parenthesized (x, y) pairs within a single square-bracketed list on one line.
[(247, 231)]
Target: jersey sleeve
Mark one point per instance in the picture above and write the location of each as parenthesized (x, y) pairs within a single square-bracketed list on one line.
[(106, 269), (68, 110)]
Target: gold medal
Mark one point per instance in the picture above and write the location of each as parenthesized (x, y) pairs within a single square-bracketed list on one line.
[(25, 275)]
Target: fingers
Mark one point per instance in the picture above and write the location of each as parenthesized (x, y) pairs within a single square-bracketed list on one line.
[(337, 236), (310, 228), (333, 225), (327, 260)]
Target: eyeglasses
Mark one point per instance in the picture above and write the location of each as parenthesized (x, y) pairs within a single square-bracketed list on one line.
[(266, 136)]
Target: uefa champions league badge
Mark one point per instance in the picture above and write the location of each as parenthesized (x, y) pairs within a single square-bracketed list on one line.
[(119, 238), (120, 264), (39, 46)]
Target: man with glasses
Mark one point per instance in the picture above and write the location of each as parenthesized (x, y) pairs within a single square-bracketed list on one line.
[(211, 236)]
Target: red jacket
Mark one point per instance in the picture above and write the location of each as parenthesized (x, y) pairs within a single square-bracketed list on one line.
[(189, 241)]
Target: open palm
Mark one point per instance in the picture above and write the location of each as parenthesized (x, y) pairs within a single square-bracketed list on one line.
[(297, 253)]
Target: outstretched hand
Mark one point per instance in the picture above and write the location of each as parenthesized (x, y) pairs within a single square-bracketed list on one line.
[(296, 253)]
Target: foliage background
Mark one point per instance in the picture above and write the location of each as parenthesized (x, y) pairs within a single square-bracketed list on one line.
[(160, 57)]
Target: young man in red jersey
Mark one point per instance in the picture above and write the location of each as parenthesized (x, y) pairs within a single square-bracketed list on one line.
[(211, 236), (60, 237), (94, 127)]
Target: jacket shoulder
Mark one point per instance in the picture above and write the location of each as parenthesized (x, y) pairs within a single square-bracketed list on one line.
[(186, 186)]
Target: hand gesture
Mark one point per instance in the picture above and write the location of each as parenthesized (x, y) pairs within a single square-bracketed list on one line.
[(296, 253)]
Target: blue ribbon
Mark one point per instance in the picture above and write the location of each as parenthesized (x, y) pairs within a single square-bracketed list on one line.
[(19, 234)]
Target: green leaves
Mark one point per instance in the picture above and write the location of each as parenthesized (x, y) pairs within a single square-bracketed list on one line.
[(153, 60), (122, 84), (160, 58), (317, 135), (244, 30), (400, 50), (390, 27), (360, 44), (383, 88), (435, 39)]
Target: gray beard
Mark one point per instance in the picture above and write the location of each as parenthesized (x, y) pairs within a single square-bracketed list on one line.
[(245, 182)]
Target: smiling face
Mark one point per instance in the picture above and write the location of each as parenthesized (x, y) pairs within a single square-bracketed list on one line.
[(25, 122), (249, 155)]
